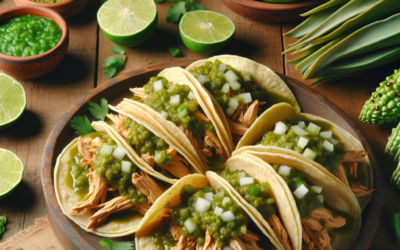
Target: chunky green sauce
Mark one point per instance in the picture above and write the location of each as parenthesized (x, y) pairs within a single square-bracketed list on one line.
[(162, 238), (29, 36), (77, 179), (330, 160), (180, 113), (309, 202), (257, 194), (215, 81)]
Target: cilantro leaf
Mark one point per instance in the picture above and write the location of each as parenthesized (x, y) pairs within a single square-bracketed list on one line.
[(396, 226), (113, 64), (100, 112), (117, 50), (112, 245), (195, 6), (3, 221), (175, 12), (176, 52), (82, 125)]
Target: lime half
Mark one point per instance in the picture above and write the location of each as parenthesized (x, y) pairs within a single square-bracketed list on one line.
[(12, 101), (206, 31), (11, 172), (128, 22)]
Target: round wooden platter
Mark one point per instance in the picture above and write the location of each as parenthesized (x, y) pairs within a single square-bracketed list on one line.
[(72, 236)]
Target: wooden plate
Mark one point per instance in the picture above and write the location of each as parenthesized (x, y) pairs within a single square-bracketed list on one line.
[(271, 12), (72, 236)]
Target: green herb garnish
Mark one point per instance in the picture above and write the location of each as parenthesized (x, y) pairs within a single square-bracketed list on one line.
[(118, 50), (176, 52), (112, 245), (82, 125), (180, 8), (113, 64), (3, 221), (100, 112)]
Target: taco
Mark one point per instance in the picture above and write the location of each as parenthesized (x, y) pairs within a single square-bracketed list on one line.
[(316, 141), (200, 212), (330, 217), (172, 101), (243, 89), (162, 155), (98, 182)]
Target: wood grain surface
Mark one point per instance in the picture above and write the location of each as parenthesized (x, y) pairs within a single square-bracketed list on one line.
[(50, 97)]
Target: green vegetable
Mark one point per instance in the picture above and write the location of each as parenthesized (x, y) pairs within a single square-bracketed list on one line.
[(176, 52), (81, 125), (325, 6), (384, 106), (113, 64), (112, 245), (100, 112), (396, 177), (118, 50), (181, 7), (396, 224), (3, 221)]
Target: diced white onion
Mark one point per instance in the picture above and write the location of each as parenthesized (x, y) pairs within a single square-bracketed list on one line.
[(333, 141), (233, 103), (228, 216), (225, 88), (326, 134), (230, 76), (218, 211), (320, 198), (246, 181), (300, 131), (242, 174), (301, 191), (106, 149), (191, 96), (227, 248), (158, 85), (246, 97), (166, 247), (222, 67), (77, 161), (202, 205), (119, 153), (220, 195), (225, 201), (190, 225), (313, 129), (317, 189), (302, 142), (235, 85), (201, 78), (164, 114), (126, 166), (284, 170), (280, 128), (301, 124), (328, 146), (230, 111), (209, 196), (309, 154), (175, 99)]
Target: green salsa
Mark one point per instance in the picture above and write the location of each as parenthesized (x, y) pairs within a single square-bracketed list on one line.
[(77, 179), (289, 140), (212, 76), (258, 194), (29, 36), (176, 103), (162, 237), (309, 202)]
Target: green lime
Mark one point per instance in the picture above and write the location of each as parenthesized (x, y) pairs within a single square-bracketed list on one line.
[(206, 31), (127, 22), (11, 172), (12, 101)]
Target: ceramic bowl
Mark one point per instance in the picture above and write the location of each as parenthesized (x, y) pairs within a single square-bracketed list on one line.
[(66, 9), (271, 12), (32, 67)]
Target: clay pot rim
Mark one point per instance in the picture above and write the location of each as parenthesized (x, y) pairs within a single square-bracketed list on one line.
[(47, 5), (53, 15), (274, 6)]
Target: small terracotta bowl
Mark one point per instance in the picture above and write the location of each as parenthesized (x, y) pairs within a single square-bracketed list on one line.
[(271, 12), (32, 67), (66, 9)]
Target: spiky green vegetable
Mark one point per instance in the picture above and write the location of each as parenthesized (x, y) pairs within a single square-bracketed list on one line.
[(384, 104), (396, 177)]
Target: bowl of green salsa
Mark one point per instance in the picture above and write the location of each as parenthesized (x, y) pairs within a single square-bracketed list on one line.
[(66, 8), (33, 41)]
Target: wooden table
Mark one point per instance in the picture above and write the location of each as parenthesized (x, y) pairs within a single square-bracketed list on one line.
[(49, 97)]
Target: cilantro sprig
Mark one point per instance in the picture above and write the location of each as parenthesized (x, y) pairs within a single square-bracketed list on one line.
[(112, 245), (113, 64), (175, 52), (180, 8), (82, 124), (3, 221)]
